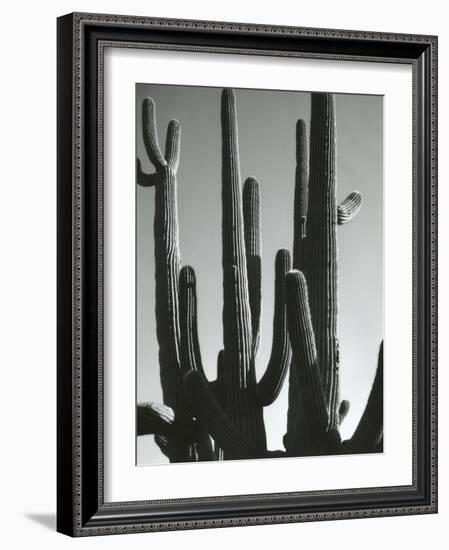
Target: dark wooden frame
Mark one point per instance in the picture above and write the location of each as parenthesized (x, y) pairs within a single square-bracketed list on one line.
[(81, 510)]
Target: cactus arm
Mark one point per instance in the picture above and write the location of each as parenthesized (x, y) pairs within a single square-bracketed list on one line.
[(190, 348), (251, 218), (270, 384), (239, 378), (343, 410), (190, 351), (150, 139), (349, 208), (295, 413), (216, 385), (167, 266), (237, 344), (239, 404), (167, 259), (215, 421), (313, 423), (172, 145), (301, 195), (233, 229), (158, 419), (235, 287), (220, 366), (300, 206), (321, 244), (304, 347), (177, 434), (369, 432), (144, 179)]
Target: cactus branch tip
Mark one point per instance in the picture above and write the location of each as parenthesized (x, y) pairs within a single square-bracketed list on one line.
[(301, 126), (228, 99), (174, 126), (284, 253), (251, 181), (295, 276), (349, 208), (149, 104), (187, 276)]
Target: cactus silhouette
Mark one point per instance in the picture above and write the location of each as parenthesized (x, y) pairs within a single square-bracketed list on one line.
[(167, 264), (229, 410), (237, 408), (315, 411)]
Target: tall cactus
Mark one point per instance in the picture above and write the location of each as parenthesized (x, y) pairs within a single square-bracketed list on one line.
[(167, 264), (315, 411), (242, 399), (230, 409), (235, 393)]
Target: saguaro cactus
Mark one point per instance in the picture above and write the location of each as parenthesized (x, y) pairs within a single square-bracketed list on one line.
[(314, 408), (239, 402), (238, 429), (167, 263), (230, 409)]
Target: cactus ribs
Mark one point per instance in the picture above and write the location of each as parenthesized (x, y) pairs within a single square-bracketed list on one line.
[(223, 419)]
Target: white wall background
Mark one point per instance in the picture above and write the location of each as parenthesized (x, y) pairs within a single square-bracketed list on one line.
[(28, 283)]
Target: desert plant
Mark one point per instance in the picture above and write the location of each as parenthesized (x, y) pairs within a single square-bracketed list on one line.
[(239, 396), (235, 389), (230, 409), (167, 263), (315, 411)]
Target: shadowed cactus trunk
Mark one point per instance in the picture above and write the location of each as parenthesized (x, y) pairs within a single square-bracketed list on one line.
[(315, 411), (320, 267), (238, 368), (230, 409), (237, 408), (167, 270)]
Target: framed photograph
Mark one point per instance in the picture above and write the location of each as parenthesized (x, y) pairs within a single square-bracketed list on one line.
[(247, 278)]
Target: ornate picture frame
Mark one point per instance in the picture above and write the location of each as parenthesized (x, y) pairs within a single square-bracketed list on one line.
[(82, 508)]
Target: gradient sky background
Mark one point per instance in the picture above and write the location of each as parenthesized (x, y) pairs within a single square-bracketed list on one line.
[(266, 123)]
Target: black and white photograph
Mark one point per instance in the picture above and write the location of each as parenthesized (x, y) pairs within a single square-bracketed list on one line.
[(221, 311), (259, 274), (247, 289)]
